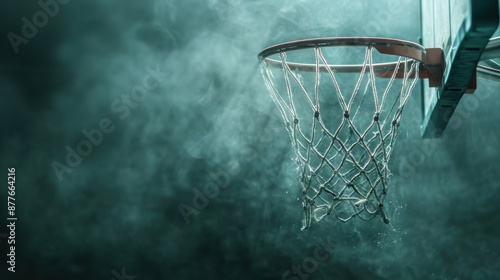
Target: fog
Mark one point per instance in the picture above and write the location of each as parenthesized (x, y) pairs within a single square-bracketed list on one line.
[(194, 177)]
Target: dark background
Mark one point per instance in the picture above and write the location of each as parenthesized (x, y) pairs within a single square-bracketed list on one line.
[(119, 207)]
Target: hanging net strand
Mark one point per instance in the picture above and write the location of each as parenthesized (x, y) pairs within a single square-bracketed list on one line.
[(342, 160)]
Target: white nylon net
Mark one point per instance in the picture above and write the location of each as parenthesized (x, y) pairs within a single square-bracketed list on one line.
[(343, 137)]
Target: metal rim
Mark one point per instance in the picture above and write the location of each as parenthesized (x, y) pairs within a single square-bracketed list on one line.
[(383, 45), (387, 46)]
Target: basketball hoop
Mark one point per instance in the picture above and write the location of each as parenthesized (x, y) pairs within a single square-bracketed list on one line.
[(343, 118)]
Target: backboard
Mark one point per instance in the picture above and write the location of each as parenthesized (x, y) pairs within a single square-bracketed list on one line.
[(462, 29)]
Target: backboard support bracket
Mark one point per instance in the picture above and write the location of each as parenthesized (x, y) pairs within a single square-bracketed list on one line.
[(433, 66)]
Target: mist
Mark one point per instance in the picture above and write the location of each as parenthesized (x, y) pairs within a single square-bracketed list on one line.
[(146, 144)]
